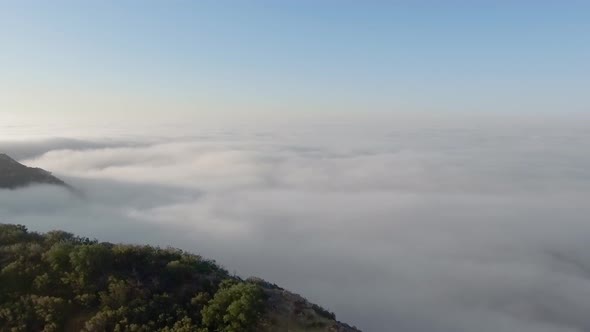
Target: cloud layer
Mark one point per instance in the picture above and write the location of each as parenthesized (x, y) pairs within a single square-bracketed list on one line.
[(394, 230)]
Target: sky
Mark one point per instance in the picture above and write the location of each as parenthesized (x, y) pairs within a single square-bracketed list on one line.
[(253, 60)]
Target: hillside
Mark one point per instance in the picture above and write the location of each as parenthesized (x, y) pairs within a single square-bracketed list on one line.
[(60, 282), (15, 175)]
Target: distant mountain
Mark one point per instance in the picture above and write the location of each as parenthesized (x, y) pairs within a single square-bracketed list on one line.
[(15, 175)]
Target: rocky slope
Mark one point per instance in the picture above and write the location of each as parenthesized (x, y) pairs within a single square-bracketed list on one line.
[(286, 311)]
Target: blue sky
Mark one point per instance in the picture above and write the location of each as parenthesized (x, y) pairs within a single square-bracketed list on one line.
[(286, 57)]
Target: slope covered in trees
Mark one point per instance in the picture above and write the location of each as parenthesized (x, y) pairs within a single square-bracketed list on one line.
[(60, 282)]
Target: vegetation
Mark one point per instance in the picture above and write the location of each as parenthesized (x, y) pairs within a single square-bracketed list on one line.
[(60, 282), (235, 307)]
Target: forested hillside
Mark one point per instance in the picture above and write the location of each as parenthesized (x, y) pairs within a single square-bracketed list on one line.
[(60, 282)]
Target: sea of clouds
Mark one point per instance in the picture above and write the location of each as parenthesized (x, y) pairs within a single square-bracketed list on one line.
[(446, 229)]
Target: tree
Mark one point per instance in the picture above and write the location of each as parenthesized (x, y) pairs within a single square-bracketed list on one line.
[(235, 307)]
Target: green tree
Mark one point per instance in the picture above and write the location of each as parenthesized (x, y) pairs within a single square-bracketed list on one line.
[(235, 307)]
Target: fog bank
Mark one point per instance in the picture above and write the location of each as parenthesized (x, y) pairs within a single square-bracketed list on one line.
[(434, 229)]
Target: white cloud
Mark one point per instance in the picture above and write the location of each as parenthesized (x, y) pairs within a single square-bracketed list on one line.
[(402, 230)]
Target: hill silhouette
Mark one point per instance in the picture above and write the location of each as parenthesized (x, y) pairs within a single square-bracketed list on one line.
[(15, 175)]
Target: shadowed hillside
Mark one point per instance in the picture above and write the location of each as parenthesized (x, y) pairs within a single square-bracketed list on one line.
[(15, 175)]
